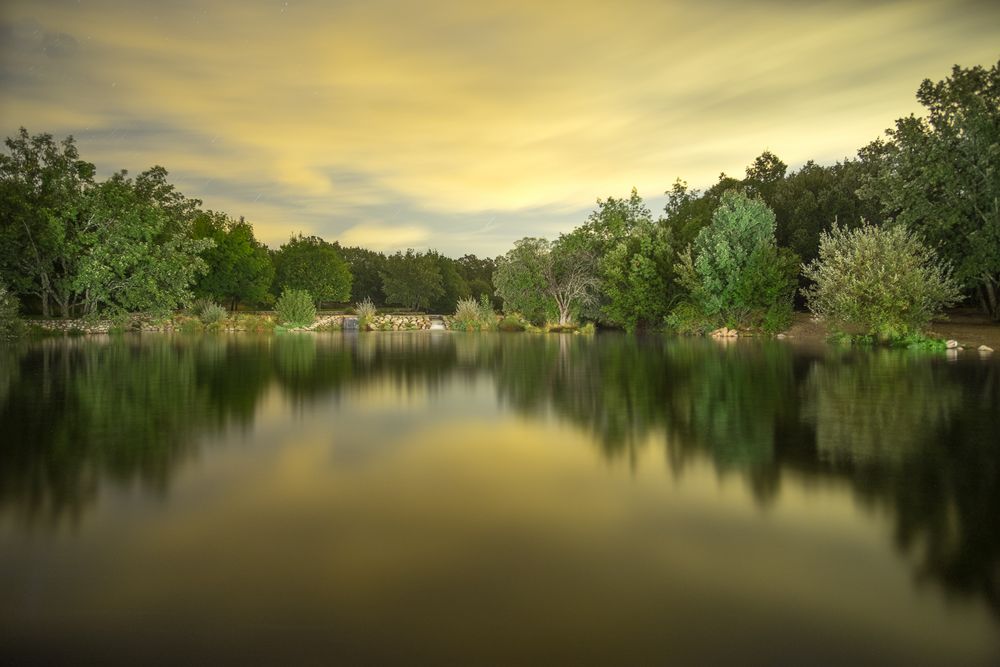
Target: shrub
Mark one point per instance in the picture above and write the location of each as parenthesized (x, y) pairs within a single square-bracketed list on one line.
[(880, 281), (199, 305), (10, 321), (366, 313), (734, 273), (295, 308), (467, 315), (212, 313), (487, 316), (511, 323)]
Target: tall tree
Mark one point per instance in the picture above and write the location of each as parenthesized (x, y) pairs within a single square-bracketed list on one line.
[(537, 277), (412, 279), (366, 268), (940, 175), (137, 256), (43, 188), (453, 285), (635, 264), (239, 267), (309, 263)]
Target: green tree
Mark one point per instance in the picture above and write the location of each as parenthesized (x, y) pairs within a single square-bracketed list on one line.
[(537, 278), (43, 189), (734, 272), (239, 267), (939, 176), (807, 202), (412, 279), (635, 263), (478, 275), (136, 255), (366, 268), (309, 263), (453, 285)]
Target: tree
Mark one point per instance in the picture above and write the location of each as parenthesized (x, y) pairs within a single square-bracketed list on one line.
[(940, 176), (136, 255), (239, 267), (734, 272), (883, 281), (43, 188), (807, 202), (309, 263), (636, 260), (478, 275), (412, 279), (536, 276), (366, 268), (453, 285)]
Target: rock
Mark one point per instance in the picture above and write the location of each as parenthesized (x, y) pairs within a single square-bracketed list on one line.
[(951, 344), (781, 336), (985, 349)]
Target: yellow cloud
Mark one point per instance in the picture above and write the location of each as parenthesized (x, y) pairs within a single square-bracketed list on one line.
[(381, 237)]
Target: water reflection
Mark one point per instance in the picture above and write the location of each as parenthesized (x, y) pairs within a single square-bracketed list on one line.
[(914, 438)]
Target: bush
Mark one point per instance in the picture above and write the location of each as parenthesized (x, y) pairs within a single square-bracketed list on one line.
[(487, 316), (734, 273), (10, 320), (366, 313), (879, 281), (295, 308), (212, 313), (467, 315), (511, 323)]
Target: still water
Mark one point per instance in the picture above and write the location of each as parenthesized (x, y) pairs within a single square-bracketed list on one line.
[(481, 499)]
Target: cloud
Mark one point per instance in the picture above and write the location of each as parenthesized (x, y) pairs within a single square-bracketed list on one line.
[(326, 117), (378, 236)]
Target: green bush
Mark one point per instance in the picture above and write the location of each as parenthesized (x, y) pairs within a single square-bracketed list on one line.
[(212, 313), (487, 316), (734, 274), (878, 281), (511, 323), (10, 320), (295, 308), (366, 313), (467, 315)]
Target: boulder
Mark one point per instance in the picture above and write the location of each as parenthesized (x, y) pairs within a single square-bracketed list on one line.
[(951, 344), (985, 349)]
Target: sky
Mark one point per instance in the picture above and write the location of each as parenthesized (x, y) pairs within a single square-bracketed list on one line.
[(463, 126)]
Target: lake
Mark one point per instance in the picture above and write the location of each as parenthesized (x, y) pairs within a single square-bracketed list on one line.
[(451, 498)]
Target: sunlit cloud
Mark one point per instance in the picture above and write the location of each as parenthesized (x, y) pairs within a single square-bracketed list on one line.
[(382, 237), (315, 116)]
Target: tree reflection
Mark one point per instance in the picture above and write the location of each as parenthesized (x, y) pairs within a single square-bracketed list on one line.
[(913, 436)]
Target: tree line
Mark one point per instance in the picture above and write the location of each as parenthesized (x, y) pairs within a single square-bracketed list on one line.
[(908, 225), (732, 254)]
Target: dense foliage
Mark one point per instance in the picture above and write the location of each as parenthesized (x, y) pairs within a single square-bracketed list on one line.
[(537, 278), (412, 279), (295, 308), (884, 282), (239, 268), (940, 175), (734, 273), (310, 264)]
